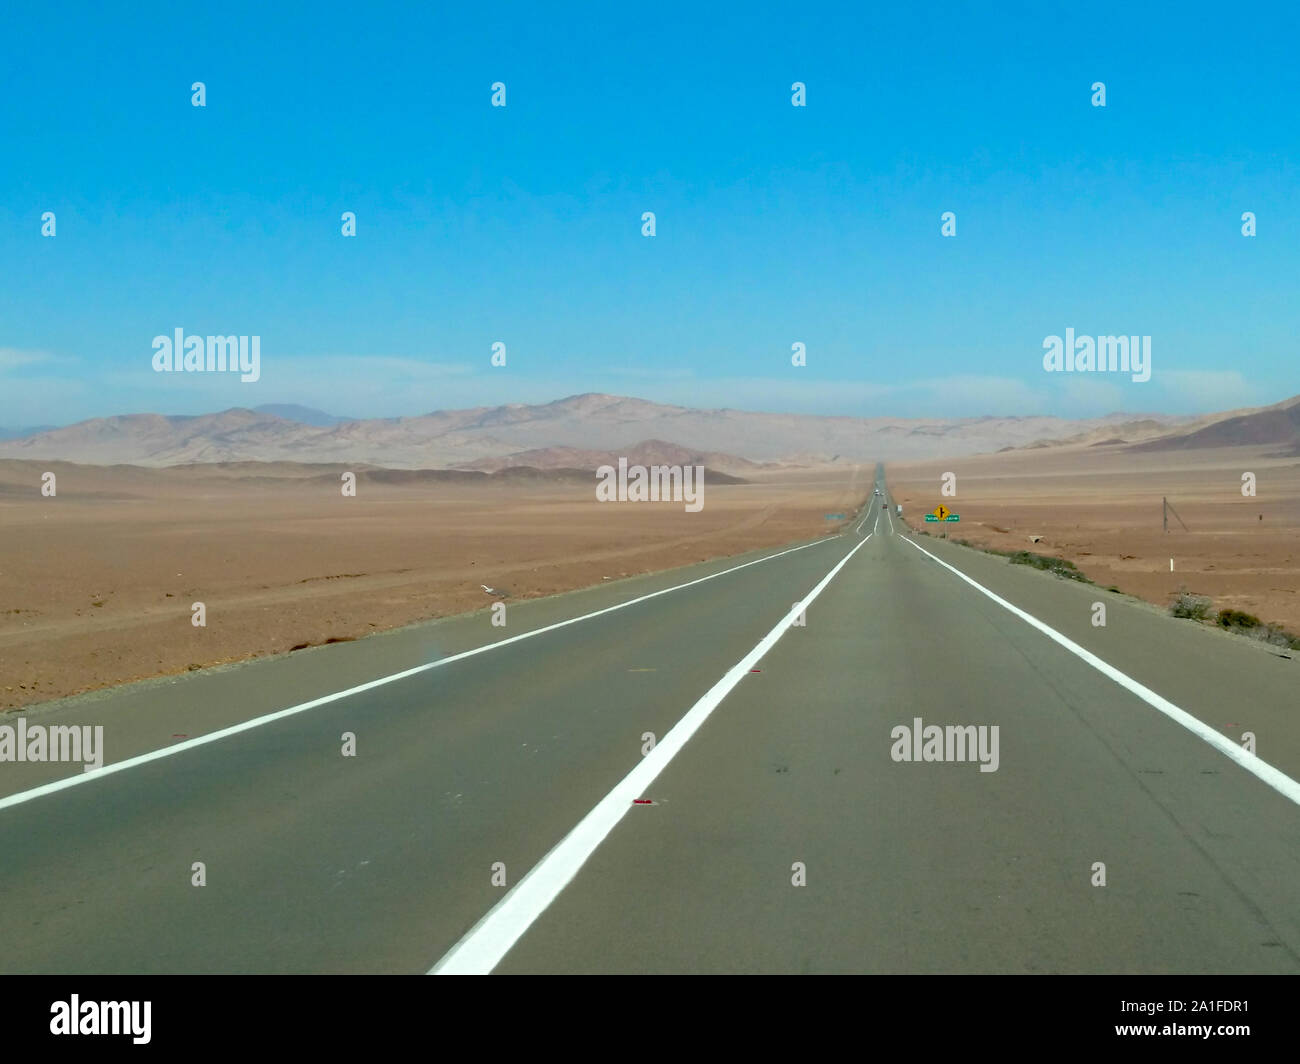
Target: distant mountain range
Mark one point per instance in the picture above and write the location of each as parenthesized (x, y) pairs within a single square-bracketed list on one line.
[(582, 431), (1278, 424), (647, 453), (17, 434), (304, 414), (289, 411)]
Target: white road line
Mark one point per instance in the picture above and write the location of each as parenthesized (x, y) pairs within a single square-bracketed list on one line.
[(1275, 778), (870, 503), (257, 722), (491, 938)]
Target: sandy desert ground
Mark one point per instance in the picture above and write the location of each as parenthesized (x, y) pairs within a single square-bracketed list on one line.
[(1100, 507), (97, 583)]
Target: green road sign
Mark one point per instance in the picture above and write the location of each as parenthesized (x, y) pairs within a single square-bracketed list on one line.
[(953, 517), (931, 517)]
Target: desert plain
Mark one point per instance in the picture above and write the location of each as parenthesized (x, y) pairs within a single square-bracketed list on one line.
[(1101, 507), (98, 582)]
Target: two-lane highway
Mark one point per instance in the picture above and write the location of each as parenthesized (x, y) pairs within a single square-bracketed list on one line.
[(485, 821)]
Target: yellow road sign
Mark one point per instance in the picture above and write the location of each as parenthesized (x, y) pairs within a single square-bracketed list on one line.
[(941, 512)]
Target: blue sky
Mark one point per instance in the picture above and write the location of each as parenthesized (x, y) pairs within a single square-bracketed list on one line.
[(522, 224)]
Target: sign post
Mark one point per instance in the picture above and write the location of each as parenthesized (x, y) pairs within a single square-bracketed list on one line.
[(941, 513)]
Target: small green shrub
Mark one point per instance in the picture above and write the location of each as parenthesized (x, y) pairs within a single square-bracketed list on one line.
[(1238, 619), (1249, 625), (1059, 566)]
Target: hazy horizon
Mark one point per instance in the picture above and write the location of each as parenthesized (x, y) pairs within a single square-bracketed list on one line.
[(278, 408)]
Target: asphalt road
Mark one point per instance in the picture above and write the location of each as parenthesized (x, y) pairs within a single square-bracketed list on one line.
[(516, 753)]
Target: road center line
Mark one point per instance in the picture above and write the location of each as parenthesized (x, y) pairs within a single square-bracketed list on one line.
[(257, 722), (485, 944), (1275, 778)]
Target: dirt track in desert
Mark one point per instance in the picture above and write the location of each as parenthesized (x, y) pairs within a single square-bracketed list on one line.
[(1101, 508), (97, 583)]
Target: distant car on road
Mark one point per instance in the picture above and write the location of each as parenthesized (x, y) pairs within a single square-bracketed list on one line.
[(877, 491)]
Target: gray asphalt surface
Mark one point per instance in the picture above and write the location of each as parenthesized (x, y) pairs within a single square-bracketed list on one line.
[(382, 862)]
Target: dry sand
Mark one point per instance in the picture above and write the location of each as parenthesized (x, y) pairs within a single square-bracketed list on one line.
[(97, 583), (1100, 507)]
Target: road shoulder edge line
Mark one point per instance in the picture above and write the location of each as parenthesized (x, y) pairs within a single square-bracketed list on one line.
[(1252, 763), (19, 797)]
